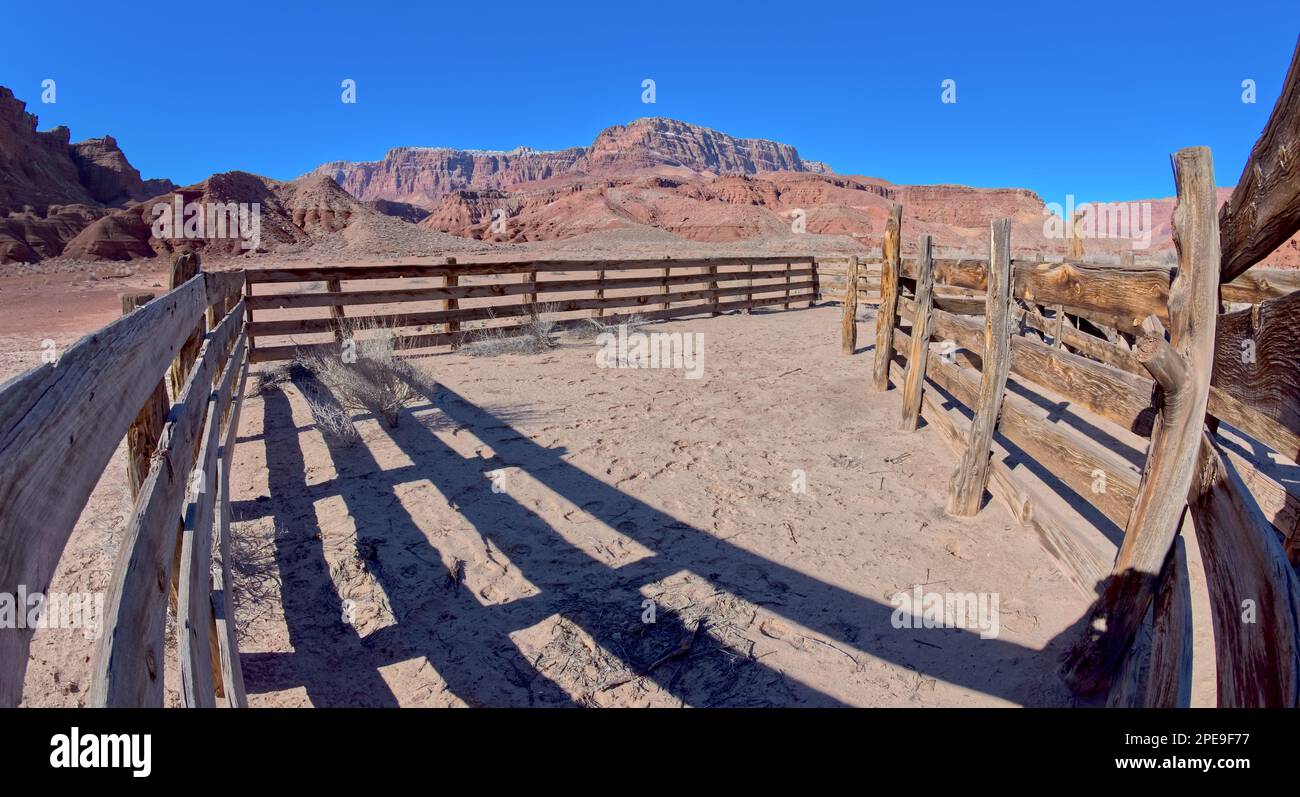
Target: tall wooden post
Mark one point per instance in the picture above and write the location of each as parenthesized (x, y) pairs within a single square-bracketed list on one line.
[(667, 272), (786, 304), (142, 436), (749, 295), (966, 489), (816, 283), (713, 286), (1181, 368), (914, 381), (849, 322), (452, 280), (185, 266), (887, 312), (600, 292)]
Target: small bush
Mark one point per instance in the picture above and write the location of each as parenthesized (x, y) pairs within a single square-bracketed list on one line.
[(377, 381), (534, 336)]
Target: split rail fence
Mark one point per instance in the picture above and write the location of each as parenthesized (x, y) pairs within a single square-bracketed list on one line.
[(1136, 353)]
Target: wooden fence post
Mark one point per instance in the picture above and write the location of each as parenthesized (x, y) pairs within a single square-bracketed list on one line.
[(849, 322), (1182, 369), (713, 286), (749, 296), (453, 327), (667, 273), (142, 436), (914, 382), (600, 292), (786, 305), (336, 310), (887, 312), (816, 283), (966, 489), (185, 266)]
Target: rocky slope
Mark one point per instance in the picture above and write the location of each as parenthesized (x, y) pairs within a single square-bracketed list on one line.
[(52, 189)]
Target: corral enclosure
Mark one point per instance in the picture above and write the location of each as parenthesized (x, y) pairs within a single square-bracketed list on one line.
[(1125, 415)]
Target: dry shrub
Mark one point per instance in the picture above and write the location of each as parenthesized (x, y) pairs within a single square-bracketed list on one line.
[(534, 336), (592, 328), (367, 376)]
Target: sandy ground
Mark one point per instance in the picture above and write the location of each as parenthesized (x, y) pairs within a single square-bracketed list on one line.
[(389, 572)]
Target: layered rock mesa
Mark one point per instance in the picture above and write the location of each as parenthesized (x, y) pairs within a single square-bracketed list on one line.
[(421, 176), (51, 189)]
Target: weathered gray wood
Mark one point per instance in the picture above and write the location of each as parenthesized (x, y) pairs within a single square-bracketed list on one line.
[(849, 317), (194, 602), (59, 426), (127, 666), (185, 266), (1260, 285), (919, 353), (142, 436), (1254, 592), (223, 607), (1257, 362), (887, 311), (1264, 209), (1117, 297), (324, 273), (1084, 558), (966, 488), (1078, 461), (1169, 678), (1175, 439), (337, 316), (306, 325), (275, 353)]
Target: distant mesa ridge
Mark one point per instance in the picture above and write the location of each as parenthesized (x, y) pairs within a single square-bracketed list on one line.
[(651, 180)]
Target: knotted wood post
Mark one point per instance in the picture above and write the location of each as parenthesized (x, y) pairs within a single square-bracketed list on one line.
[(667, 272), (849, 322), (600, 292), (749, 294), (1182, 368), (887, 312), (713, 289), (918, 353), (786, 305), (142, 436), (816, 284), (966, 490)]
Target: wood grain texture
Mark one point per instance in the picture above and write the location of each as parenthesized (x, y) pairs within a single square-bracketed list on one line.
[(1254, 592), (223, 608), (1175, 439), (1257, 362), (887, 311), (1264, 209), (1084, 557), (966, 487), (849, 313), (127, 666), (59, 426), (142, 435), (919, 352), (194, 596)]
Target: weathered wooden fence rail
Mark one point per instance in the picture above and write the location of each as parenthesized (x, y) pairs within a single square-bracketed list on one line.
[(486, 293), (59, 426), (1141, 357)]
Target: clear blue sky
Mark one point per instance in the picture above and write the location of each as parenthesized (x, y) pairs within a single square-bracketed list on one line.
[(1058, 97)]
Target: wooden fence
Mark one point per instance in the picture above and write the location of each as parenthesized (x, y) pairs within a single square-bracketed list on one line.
[(470, 297), (168, 377), (1107, 361)]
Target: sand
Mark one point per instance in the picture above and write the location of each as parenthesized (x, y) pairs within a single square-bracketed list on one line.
[(390, 573)]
